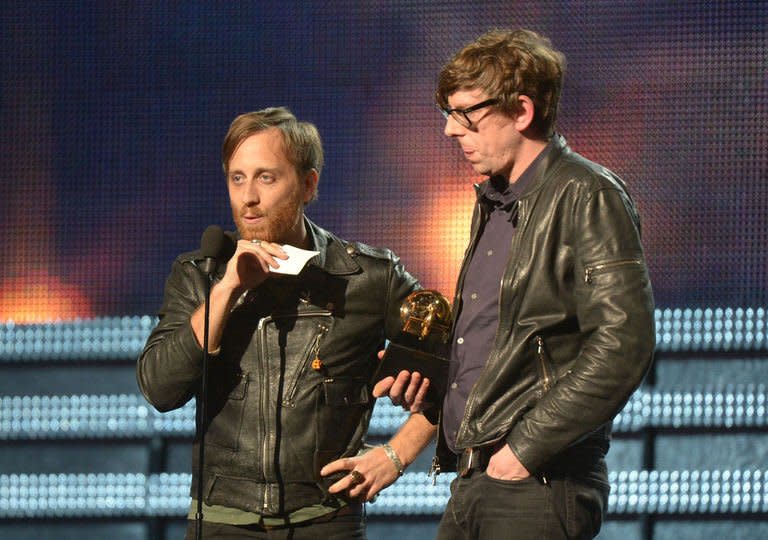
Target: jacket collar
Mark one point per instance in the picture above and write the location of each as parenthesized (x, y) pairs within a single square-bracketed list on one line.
[(334, 257)]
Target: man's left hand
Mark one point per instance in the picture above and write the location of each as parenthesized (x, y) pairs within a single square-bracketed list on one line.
[(408, 390), (504, 465), (374, 470)]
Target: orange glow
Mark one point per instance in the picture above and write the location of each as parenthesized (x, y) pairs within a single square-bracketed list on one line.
[(42, 297), (445, 240)]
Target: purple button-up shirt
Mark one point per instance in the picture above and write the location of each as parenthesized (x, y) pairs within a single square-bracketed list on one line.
[(475, 327)]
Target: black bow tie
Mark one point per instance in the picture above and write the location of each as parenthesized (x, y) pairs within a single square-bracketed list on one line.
[(511, 207)]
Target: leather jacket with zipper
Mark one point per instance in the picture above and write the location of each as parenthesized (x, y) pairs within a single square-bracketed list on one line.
[(290, 388), (576, 327)]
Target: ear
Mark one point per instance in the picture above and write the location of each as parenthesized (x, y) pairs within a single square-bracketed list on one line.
[(310, 185), (524, 118)]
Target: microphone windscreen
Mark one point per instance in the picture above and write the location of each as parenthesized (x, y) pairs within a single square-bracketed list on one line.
[(212, 242)]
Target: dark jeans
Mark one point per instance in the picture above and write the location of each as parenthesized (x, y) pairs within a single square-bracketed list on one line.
[(345, 525), (482, 507)]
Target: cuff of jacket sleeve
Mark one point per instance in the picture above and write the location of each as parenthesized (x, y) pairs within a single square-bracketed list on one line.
[(188, 345), (198, 345), (525, 454)]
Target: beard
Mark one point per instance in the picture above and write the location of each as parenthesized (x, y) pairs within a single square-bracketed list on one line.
[(277, 225)]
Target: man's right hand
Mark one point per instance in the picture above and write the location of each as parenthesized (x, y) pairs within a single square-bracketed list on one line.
[(247, 269), (249, 266), (408, 390)]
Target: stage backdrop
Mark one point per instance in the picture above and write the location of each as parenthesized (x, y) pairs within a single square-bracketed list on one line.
[(112, 117)]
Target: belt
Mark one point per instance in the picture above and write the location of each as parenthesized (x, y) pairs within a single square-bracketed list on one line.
[(473, 459)]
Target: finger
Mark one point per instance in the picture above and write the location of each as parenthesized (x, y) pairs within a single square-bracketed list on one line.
[(348, 481), (265, 264), (363, 494), (266, 251), (263, 252), (371, 494), (248, 252), (382, 387), (273, 249), (420, 400), (343, 464), (248, 265), (413, 388), (358, 491), (358, 483), (381, 355), (396, 393), (342, 485)]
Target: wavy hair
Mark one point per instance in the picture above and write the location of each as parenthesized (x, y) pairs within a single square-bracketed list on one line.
[(506, 64), (303, 145)]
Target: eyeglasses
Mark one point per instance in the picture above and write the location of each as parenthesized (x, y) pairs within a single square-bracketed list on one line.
[(462, 115)]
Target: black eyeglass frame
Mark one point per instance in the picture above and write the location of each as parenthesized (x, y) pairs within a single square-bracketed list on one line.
[(460, 115)]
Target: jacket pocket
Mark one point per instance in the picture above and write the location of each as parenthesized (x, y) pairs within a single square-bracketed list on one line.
[(592, 271), (342, 405), (225, 411), (309, 355)]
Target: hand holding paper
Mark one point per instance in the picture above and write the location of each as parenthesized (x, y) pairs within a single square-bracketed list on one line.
[(297, 259)]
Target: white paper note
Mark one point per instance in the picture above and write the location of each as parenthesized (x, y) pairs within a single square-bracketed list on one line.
[(296, 260)]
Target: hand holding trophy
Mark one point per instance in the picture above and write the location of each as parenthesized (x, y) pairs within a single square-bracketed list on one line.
[(422, 344)]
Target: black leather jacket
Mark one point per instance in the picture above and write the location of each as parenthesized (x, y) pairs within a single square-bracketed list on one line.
[(275, 417), (576, 329)]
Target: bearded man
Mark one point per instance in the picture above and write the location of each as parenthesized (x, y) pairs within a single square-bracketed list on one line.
[(292, 357)]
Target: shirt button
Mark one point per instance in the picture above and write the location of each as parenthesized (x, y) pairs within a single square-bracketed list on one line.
[(473, 296), (460, 340), (454, 386), (490, 252)]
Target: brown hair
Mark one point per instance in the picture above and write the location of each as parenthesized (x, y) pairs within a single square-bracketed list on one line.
[(506, 64), (303, 146)]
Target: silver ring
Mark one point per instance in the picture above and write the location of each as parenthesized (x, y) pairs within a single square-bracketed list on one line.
[(256, 241), (357, 477)]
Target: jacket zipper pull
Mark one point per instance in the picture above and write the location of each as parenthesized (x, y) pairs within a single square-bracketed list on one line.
[(317, 363), (434, 470)]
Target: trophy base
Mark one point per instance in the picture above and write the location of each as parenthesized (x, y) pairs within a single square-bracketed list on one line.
[(399, 358)]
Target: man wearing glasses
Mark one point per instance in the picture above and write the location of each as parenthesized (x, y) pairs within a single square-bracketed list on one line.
[(553, 314)]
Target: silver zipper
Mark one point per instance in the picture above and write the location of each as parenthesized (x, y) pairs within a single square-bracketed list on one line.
[(264, 393), (312, 351), (434, 470), (590, 271), (543, 360), (264, 408)]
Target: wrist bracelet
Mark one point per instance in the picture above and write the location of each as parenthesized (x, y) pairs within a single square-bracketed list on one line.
[(392, 455)]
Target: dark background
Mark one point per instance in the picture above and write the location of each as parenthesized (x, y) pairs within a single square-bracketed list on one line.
[(113, 113), (111, 120)]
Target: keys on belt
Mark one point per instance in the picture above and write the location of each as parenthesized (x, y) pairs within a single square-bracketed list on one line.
[(473, 459)]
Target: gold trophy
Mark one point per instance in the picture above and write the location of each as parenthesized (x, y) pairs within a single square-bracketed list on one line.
[(422, 344)]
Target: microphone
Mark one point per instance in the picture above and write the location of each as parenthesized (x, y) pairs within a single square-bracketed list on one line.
[(215, 246), (211, 246)]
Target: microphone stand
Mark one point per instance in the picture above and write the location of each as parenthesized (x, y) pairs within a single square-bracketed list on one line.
[(201, 409)]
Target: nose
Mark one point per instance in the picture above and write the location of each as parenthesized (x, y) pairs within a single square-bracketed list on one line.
[(251, 193), (452, 127)]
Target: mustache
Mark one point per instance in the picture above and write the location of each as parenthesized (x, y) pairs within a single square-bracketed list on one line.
[(251, 213)]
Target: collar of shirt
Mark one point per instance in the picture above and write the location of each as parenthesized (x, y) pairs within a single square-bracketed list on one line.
[(498, 194)]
